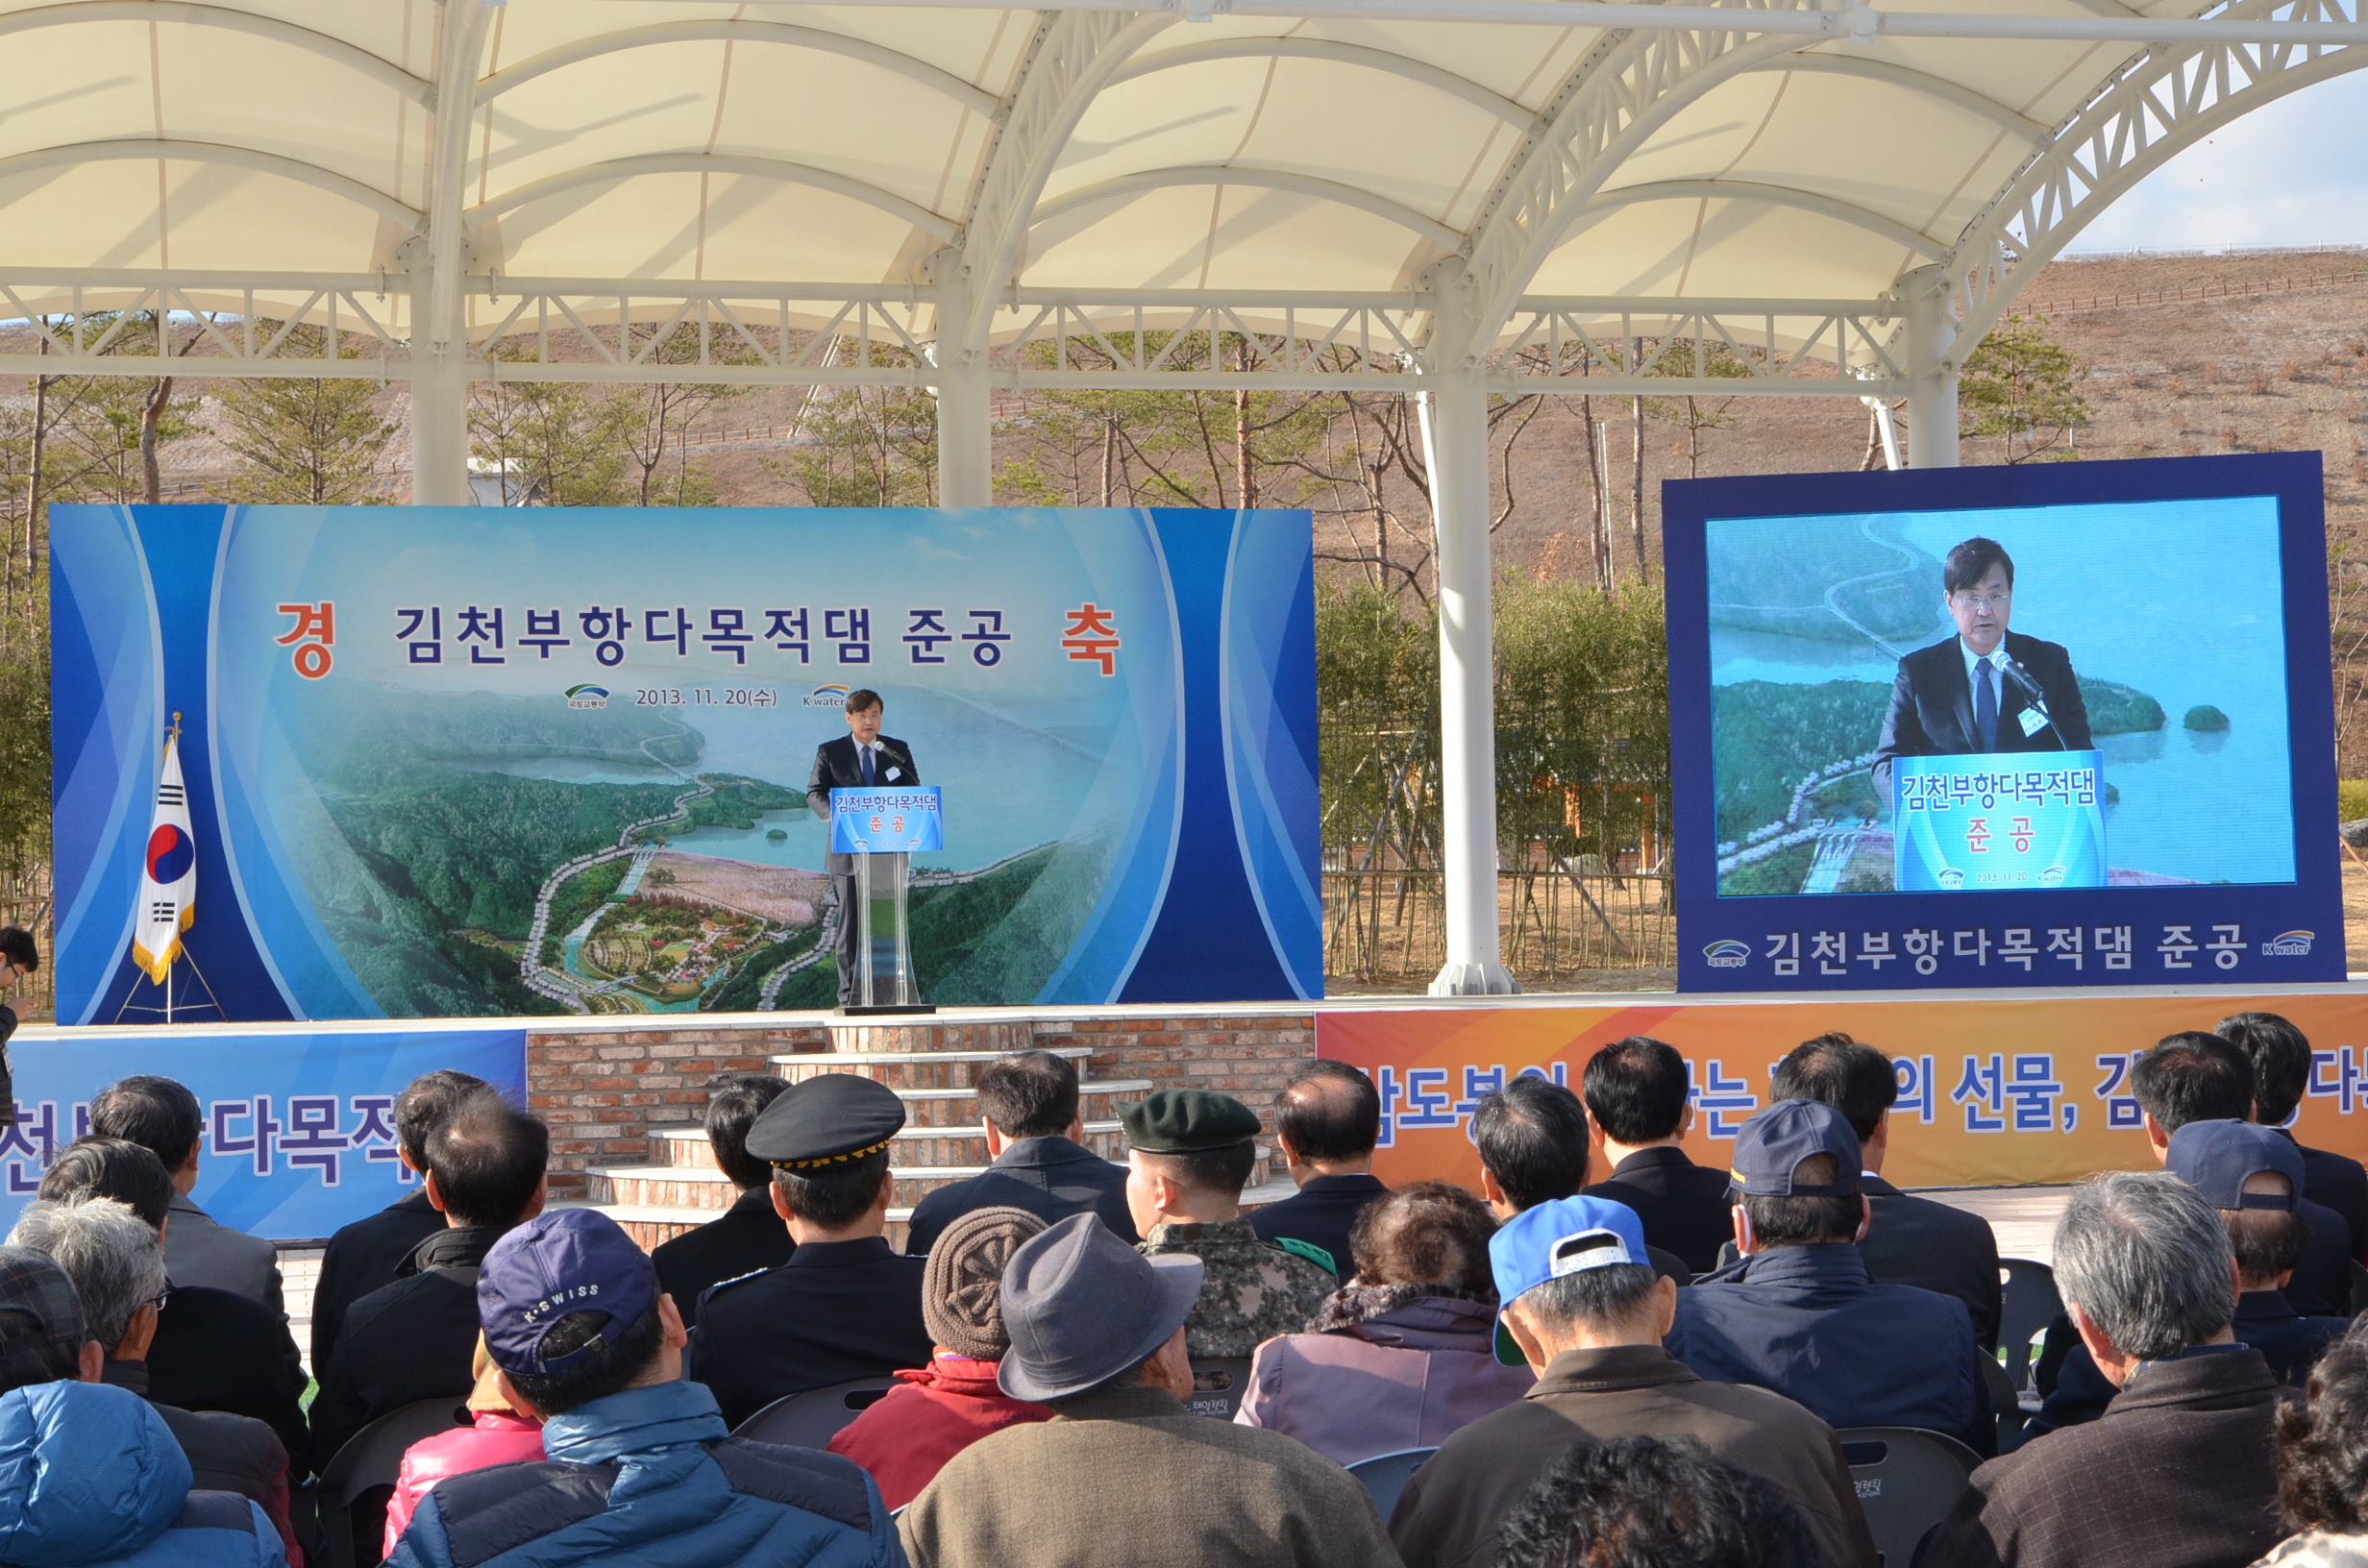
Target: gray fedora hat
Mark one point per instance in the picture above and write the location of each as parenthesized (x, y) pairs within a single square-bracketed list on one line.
[(1081, 1307)]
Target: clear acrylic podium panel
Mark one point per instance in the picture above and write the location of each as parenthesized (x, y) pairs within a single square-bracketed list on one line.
[(883, 944)]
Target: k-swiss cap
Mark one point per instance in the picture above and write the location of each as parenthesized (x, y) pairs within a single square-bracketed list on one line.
[(2216, 1158), (1773, 1144), (825, 1122), (561, 1261)]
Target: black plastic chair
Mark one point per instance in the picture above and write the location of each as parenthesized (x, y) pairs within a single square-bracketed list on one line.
[(811, 1419), (1908, 1481), (2003, 1404), (373, 1457), (1217, 1387), (2028, 1304), (1385, 1475)]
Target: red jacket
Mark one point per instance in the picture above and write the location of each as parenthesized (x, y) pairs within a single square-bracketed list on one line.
[(905, 1438), (498, 1437)]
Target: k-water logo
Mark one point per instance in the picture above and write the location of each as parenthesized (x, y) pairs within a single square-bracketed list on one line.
[(827, 697), (2288, 944), (1726, 955), (587, 697)]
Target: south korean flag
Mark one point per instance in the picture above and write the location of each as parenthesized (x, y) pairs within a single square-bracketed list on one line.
[(168, 881)]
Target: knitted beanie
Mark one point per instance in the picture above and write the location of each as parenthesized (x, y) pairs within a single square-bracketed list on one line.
[(962, 1291)]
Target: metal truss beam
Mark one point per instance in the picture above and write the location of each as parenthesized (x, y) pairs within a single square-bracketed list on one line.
[(2158, 106)]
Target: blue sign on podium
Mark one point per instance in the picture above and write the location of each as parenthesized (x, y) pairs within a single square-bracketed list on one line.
[(883, 821), (2021, 821)]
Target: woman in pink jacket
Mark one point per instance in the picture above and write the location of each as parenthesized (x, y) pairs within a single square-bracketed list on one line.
[(501, 1436), (1403, 1354)]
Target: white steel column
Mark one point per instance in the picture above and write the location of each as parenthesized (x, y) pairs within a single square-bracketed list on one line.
[(965, 429), (1931, 369), (439, 259), (1455, 438)]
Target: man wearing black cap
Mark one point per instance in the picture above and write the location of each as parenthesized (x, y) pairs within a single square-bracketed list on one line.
[(1189, 1152), (1803, 1318), (2280, 1057), (640, 1468), (844, 1306), (1124, 1472), (2250, 1175)]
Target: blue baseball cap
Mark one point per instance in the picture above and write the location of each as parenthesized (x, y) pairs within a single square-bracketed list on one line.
[(1772, 1144), (1566, 1236), (2216, 1158), (560, 1262)]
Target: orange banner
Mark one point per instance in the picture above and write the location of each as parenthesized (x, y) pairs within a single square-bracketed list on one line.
[(1994, 1090)]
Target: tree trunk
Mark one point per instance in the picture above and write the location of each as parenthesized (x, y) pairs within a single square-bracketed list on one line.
[(1242, 485), (1636, 469), (152, 477)]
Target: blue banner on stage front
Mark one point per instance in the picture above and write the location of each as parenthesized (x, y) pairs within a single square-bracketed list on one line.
[(1968, 822), (299, 1127), (887, 821), (462, 761)]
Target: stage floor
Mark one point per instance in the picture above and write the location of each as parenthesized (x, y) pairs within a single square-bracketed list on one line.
[(2023, 1218)]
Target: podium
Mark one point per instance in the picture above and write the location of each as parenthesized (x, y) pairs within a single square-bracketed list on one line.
[(883, 829), (2006, 819)]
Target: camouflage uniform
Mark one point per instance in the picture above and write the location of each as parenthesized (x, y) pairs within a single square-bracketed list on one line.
[(1249, 1292)]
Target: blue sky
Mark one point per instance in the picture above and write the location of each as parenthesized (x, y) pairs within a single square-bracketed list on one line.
[(2288, 174)]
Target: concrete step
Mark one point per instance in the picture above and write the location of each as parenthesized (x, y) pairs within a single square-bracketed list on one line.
[(958, 1144), (904, 1070)]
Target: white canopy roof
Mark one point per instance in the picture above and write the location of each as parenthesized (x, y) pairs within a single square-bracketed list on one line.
[(1366, 156)]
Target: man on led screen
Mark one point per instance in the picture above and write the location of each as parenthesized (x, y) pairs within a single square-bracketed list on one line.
[(1986, 689)]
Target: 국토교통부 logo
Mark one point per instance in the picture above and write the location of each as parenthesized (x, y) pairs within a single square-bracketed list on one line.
[(2289, 944), (827, 697), (1726, 955), (587, 697)]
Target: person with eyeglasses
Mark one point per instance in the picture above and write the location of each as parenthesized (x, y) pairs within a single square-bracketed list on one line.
[(18, 959), (1986, 689)]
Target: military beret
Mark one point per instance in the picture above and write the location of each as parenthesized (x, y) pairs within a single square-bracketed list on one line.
[(1186, 1121), (825, 1122)]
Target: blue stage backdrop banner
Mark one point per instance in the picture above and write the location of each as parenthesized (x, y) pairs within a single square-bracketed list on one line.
[(299, 1126), (2061, 724), (451, 761)]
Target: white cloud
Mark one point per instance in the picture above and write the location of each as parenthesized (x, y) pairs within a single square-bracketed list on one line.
[(2291, 173)]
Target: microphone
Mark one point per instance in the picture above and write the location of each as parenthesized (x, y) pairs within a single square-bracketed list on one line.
[(2013, 667)]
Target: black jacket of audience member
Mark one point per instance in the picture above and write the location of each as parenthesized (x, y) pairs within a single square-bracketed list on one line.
[(1684, 1206), (1322, 1213), (2178, 1474), (836, 1311), (750, 1236), (2338, 1182), (364, 1257), (2288, 1341), (1447, 1515), (216, 1349), (1052, 1178), (411, 1340), (227, 1453), (2322, 1282)]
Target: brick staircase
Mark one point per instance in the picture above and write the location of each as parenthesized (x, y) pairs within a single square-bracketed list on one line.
[(944, 1140)]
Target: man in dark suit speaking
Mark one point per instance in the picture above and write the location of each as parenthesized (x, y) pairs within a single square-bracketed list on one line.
[(1986, 689), (863, 758)]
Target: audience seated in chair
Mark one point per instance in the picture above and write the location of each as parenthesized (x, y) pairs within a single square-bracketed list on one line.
[(640, 1468), (2281, 1058), (116, 1265), (365, 1255), (1588, 1313), (1401, 1355), (162, 1118), (1027, 1102), (844, 1306), (1533, 1142), (936, 1412), (498, 1433), (1127, 1474), (1802, 1317), (2176, 1473), (212, 1349), (749, 1235), (1667, 1501), (91, 1475), (2323, 1463), (1638, 1092), (1189, 1153), (414, 1339), (1328, 1120)]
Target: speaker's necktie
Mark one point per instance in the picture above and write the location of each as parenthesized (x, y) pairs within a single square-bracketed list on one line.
[(868, 780), (1985, 703)]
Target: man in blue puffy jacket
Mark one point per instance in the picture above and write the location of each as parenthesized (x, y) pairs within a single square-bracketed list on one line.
[(640, 1469), (89, 1473)]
